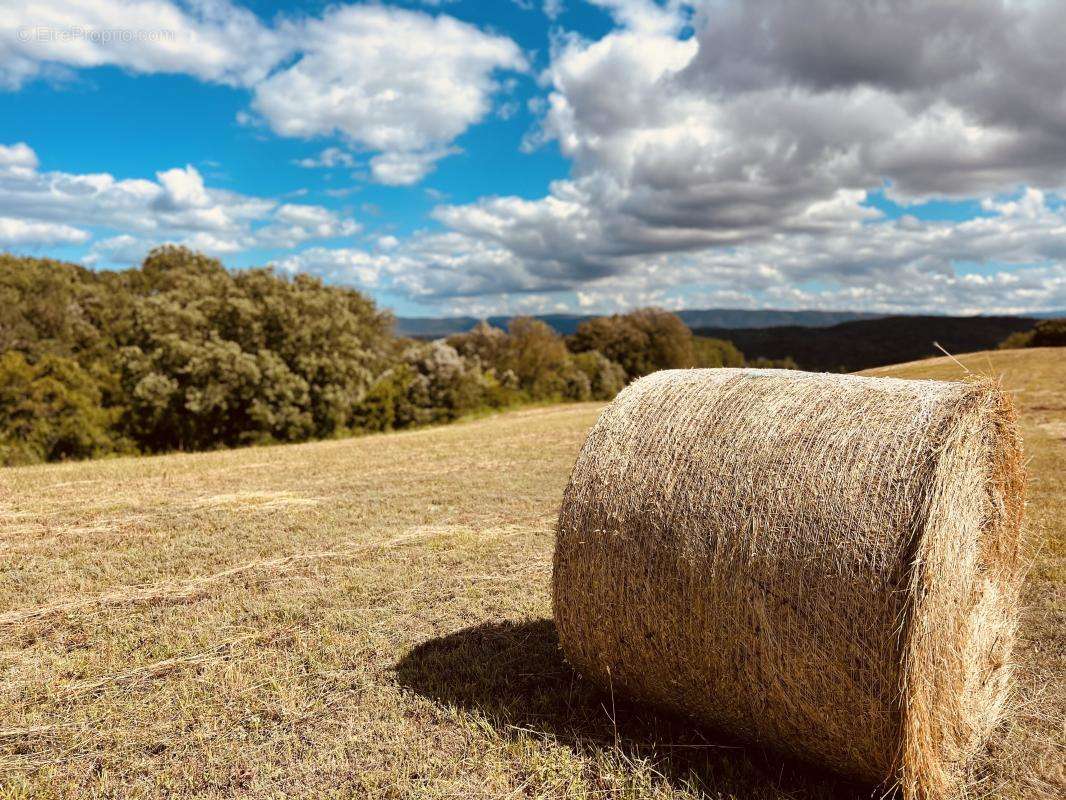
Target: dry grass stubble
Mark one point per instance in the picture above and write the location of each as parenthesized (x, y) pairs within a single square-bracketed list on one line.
[(421, 668)]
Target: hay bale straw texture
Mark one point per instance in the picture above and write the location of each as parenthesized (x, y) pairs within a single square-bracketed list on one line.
[(826, 564)]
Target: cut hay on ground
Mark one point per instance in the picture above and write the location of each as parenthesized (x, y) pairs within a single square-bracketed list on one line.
[(826, 564)]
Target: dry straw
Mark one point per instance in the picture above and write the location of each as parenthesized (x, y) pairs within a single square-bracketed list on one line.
[(827, 564)]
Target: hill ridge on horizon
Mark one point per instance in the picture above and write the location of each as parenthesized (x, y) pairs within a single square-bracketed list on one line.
[(865, 343), (719, 317)]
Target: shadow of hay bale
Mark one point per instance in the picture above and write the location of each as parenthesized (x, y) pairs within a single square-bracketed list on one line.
[(514, 675)]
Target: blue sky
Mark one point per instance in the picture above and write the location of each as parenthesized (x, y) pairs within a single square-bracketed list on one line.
[(131, 125), (521, 155)]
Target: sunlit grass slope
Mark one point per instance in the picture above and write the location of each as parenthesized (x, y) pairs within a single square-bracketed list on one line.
[(370, 617)]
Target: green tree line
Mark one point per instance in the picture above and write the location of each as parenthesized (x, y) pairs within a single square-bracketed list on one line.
[(1046, 333), (183, 354)]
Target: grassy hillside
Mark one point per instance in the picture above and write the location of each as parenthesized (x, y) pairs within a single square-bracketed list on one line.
[(860, 344), (370, 617)]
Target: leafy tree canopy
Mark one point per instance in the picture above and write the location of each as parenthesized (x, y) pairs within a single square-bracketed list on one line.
[(183, 354)]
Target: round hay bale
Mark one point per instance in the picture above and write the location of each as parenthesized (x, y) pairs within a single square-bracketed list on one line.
[(826, 564)]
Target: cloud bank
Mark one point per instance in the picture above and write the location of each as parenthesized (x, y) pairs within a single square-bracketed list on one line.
[(722, 152), (399, 83), (731, 149), (54, 207)]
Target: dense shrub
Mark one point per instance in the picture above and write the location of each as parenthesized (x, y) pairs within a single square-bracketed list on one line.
[(716, 353), (50, 410), (484, 342), (387, 404), (213, 357), (432, 383), (532, 358), (183, 354), (538, 357), (210, 357), (641, 342), (1047, 333), (605, 377), (50, 307), (1016, 340), (445, 386)]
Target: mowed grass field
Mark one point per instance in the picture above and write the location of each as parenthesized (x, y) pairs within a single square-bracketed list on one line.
[(371, 618)]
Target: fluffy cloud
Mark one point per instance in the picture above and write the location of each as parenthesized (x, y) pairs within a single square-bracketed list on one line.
[(293, 224), (212, 40), (19, 232), (402, 83), (43, 206), (328, 159), (17, 156), (722, 153), (743, 155), (754, 126), (647, 16), (343, 265), (182, 189), (966, 94), (1010, 259), (399, 83), (406, 168), (122, 249)]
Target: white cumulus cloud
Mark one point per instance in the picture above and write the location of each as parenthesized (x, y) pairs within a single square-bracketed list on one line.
[(329, 158), (402, 83), (45, 206), (726, 145), (396, 82), (213, 40), (15, 231), (18, 155)]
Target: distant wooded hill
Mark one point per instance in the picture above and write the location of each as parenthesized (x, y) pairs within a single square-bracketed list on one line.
[(566, 324), (864, 343), (695, 318)]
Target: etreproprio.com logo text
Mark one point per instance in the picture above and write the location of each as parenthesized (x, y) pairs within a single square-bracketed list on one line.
[(41, 33)]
